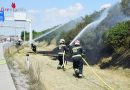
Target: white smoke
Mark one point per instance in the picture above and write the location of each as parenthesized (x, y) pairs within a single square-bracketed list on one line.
[(91, 26)]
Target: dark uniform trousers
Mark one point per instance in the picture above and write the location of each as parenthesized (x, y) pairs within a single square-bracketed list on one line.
[(61, 54), (60, 58), (78, 64)]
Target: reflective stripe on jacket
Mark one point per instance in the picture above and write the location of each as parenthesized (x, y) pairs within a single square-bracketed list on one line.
[(62, 49), (77, 51), (76, 56)]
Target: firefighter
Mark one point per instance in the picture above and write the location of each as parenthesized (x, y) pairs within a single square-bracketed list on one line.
[(77, 53), (18, 44), (34, 48), (62, 49)]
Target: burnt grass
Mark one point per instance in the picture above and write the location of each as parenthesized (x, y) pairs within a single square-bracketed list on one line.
[(118, 60)]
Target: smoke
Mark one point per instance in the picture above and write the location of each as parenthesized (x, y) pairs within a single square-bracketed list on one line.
[(91, 35), (91, 26), (47, 33)]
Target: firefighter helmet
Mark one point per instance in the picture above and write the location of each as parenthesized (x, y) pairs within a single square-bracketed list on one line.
[(77, 42), (62, 41)]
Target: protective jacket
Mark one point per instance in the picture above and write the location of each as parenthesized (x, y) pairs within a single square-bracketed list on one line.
[(77, 51), (62, 49)]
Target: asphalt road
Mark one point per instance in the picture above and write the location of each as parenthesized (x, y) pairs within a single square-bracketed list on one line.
[(6, 82)]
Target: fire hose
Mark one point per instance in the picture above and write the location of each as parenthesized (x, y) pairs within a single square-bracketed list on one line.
[(97, 75)]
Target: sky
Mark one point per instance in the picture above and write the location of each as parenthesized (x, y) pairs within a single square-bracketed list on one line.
[(48, 13)]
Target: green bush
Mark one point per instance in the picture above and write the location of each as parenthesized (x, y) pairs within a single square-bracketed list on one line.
[(118, 37)]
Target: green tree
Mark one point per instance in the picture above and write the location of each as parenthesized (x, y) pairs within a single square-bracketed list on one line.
[(26, 35)]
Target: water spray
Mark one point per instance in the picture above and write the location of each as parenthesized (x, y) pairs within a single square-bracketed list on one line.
[(91, 26), (48, 32)]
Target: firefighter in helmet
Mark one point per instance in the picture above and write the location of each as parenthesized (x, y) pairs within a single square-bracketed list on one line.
[(77, 53), (61, 54)]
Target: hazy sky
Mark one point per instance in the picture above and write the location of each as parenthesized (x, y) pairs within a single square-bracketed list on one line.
[(48, 13)]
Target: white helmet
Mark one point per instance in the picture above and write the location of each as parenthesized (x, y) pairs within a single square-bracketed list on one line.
[(77, 42), (62, 41)]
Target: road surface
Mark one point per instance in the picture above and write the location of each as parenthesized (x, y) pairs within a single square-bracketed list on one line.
[(6, 82)]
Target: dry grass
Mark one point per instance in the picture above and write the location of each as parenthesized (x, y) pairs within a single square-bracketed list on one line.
[(18, 56), (44, 76), (106, 60), (34, 76), (34, 70), (45, 46)]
